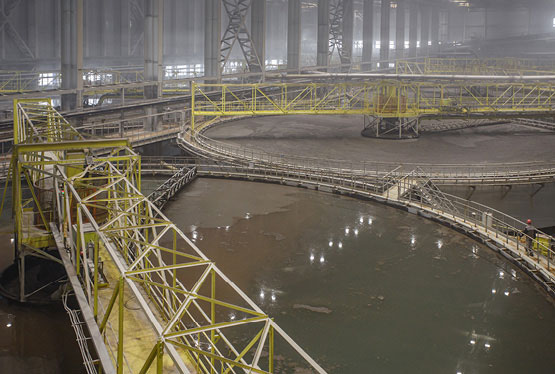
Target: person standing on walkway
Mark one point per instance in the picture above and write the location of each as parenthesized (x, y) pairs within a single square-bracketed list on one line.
[(530, 232)]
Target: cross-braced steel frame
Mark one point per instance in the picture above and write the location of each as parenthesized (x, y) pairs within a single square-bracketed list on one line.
[(336, 32), (195, 318), (237, 32), (384, 99)]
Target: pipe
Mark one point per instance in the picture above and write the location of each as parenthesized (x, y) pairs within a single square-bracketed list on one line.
[(424, 76)]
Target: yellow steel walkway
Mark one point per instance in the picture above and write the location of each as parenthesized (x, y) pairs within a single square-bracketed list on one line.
[(166, 308), (386, 99)]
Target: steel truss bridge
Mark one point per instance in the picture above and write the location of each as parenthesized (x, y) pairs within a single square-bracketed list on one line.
[(386, 99), (74, 207), (487, 66)]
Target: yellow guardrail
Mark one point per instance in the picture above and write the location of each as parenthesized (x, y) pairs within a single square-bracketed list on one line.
[(390, 99)]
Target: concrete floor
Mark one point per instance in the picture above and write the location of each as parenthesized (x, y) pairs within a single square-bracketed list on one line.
[(338, 137)]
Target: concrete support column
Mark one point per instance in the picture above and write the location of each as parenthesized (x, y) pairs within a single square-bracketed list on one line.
[(347, 31), (400, 29), (367, 32), (72, 52), (125, 45), (294, 34), (384, 30), (153, 48), (424, 30), (413, 29), (258, 30), (32, 30), (212, 38), (173, 18), (434, 36), (102, 21), (323, 44)]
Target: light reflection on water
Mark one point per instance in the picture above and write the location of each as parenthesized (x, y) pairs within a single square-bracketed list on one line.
[(404, 294)]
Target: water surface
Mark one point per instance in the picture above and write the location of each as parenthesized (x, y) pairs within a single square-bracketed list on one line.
[(405, 294)]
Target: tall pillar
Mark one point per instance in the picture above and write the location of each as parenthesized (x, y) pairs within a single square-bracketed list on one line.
[(347, 32), (367, 32), (212, 38), (294, 34), (384, 30), (258, 30), (424, 30), (71, 39), (32, 29), (124, 30), (153, 54), (413, 29), (323, 44), (434, 36), (400, 29)]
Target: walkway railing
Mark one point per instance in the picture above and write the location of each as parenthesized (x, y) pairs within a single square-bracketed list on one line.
[(413, 189), (446, 174), (163, 193)]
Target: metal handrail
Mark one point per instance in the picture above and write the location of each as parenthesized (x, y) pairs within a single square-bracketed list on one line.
[(446, 172)]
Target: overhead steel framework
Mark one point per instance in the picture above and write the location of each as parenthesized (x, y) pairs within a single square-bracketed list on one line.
[(6, 24), (387, 99), (237, 32), (341, 30), (74, 207)]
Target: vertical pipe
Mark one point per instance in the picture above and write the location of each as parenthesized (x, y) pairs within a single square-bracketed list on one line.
[(125, 43), (400, 29), (32, 29), (78, 68), (212, 35), (101, 22), (485, 23), (434, 37), (160, 45), (258, 31), (384, 31), (424, 31), (413, 29), (323, 43), (172, 34), (367, 32), (68, 40), (347, 31), (151, 47), (294, 34)]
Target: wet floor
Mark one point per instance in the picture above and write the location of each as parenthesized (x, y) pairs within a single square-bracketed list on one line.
[(368, 288)]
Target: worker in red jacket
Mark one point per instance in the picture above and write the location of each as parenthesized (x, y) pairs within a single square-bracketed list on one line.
[(530, 232)]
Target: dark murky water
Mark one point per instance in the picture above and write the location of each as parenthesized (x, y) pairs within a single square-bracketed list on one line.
[(37, 339), (405, 294)]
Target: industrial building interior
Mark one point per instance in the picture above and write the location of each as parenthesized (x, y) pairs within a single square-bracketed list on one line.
[(277, 186)]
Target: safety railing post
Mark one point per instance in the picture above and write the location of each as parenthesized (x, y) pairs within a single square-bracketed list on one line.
[(120, 327)]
